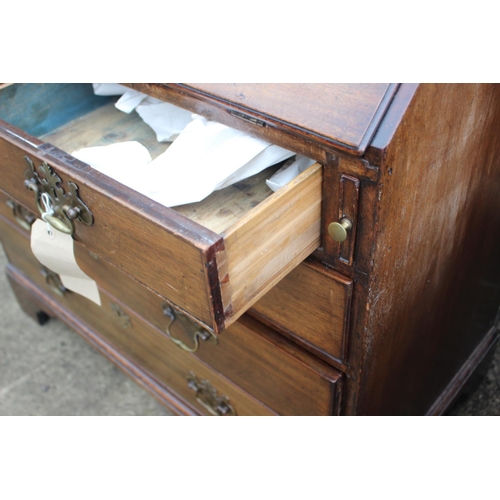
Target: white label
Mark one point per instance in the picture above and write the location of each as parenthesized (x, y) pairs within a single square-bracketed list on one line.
[(55, 250)]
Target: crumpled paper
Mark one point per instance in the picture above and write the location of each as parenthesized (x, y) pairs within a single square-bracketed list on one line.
[(121, 161), (291, 169), (166, 120), (206, 156)]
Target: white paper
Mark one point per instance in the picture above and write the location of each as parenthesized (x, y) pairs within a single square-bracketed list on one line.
[(55, 251), (290, 170), (130, 100), (205, 157), (123, 161), (109, 89), (167, 120)]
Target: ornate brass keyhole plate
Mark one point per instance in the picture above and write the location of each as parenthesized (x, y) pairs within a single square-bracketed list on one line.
[(63, 206)]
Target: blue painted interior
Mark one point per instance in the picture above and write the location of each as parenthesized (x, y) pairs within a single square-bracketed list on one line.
[(39, 108)]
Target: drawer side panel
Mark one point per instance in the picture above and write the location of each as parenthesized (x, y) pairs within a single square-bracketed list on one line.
[(267, 244)]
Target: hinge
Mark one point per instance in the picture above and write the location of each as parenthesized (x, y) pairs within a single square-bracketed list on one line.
[(247, 118)]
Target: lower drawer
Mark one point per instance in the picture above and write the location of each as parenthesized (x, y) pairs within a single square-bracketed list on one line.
[(311, 304), (188, 378), (257, 359)]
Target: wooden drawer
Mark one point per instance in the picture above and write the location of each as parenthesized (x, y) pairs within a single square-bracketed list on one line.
[(260, 361), (312, 305), (189, 378), (212, 261)]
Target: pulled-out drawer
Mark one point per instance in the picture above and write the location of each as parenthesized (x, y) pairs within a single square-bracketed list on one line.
[(261, 362), (212, 261)]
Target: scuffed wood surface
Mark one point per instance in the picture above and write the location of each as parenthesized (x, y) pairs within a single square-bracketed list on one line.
[(435, 286)]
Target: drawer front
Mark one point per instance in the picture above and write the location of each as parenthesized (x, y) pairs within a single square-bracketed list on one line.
[(260, 361), (310, 304), (185, 375), (212, 276)]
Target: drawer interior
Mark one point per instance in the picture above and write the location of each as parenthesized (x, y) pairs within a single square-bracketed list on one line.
[(71, 117)]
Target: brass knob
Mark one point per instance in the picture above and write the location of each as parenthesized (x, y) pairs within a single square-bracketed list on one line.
[(338, 230)]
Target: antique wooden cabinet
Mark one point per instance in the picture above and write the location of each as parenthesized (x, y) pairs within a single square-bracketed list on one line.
[(368, 285)]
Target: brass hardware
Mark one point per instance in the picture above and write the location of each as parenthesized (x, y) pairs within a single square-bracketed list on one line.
[(191, 329), (53, 281), (338, 230), (123, 317), (207, 396), (64, 207), (23, 216), (247, 118)]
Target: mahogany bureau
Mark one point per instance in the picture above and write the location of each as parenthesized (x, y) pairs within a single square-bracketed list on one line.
[(368, 285)]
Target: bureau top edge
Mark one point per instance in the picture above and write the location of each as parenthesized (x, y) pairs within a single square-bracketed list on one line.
[(341, 117)]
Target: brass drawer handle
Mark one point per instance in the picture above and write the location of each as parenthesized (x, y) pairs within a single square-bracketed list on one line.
[(57, 207), (207, 396), (197, 334), (53, 281), (23, 216), (339, 230)]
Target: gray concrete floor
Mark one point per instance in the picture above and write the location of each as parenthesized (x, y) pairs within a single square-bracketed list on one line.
[(51, 370)]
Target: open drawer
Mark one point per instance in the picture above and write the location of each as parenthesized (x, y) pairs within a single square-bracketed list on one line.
[(212, 260)]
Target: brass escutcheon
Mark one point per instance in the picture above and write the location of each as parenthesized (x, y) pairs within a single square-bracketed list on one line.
[(189, 328), (22, 215), (207, 396), (64, 206), (123, 317), (53, 281)]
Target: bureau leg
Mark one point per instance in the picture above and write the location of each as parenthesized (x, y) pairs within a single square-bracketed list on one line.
[(28, 303)]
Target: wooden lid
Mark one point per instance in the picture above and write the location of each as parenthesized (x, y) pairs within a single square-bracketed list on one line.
[(345, 115)]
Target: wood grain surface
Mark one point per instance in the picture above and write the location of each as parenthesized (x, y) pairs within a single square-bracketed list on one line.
[(270, 241), (344, 114), (311, 304), (435, 284)]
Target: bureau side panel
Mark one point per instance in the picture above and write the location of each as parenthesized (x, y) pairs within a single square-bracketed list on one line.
[(435, 283)]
